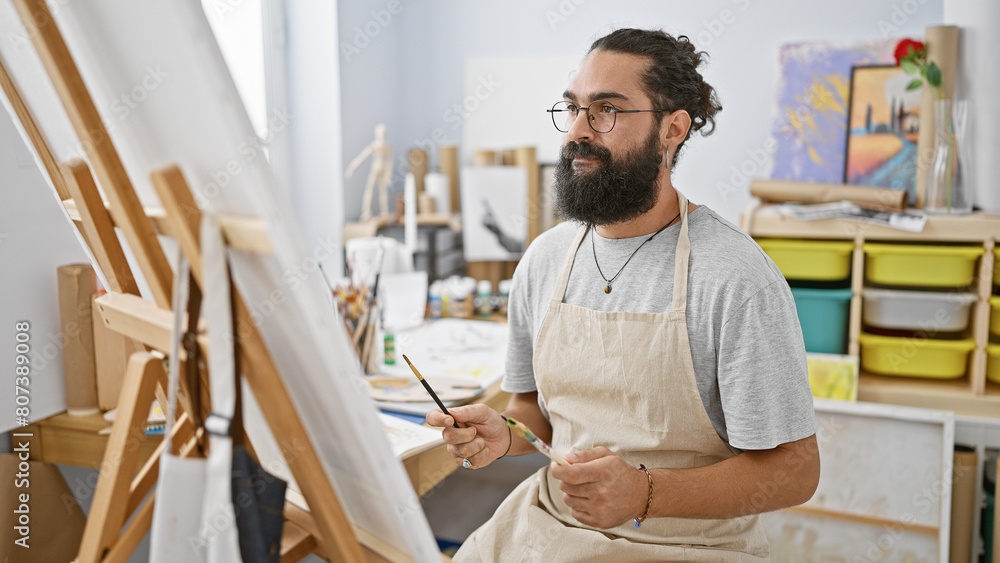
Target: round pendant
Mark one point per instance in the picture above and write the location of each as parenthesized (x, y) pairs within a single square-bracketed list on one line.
[(607, 288)]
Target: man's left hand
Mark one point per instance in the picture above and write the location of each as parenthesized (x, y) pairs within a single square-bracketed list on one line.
[(602, 490)]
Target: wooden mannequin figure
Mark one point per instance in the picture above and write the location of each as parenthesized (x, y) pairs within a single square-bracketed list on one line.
[(381, 171)]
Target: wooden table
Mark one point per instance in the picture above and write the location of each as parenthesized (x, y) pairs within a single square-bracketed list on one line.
[(75, 440)]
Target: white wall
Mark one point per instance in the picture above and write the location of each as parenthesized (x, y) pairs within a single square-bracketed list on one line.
[(35, 239), (372, 50), (411, 72), (313, 135)]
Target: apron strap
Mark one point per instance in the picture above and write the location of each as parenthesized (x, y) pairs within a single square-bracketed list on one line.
[(682, 256), (560, 292)]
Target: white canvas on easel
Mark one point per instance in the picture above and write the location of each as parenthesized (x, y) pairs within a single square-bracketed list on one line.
[(194, 118)]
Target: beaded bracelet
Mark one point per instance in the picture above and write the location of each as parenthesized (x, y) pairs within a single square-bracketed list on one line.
[(649, 502)]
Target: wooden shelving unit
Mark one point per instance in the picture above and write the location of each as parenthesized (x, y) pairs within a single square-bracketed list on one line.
[(970, 395)]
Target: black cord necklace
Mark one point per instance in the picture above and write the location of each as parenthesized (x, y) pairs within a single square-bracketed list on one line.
[(607, 288)]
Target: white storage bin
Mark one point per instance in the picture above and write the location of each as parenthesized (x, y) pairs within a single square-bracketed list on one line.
[(930, 311)]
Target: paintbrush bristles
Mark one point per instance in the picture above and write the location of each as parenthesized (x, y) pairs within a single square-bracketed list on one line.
[(413, 368)]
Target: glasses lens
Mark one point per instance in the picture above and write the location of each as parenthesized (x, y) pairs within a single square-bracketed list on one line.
[(563, 115), (602, 116)]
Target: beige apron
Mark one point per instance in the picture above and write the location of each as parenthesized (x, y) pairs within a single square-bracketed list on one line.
[(624, 381)]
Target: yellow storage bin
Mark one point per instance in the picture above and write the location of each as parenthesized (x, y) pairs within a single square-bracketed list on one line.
[(993, 362), (921, 265), (914, 356), (817, 260), (996, 265), (995, 315)]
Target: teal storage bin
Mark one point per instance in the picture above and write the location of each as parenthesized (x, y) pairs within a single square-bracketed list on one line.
[(823, 315)]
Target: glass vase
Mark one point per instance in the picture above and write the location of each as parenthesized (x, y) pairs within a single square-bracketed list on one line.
[(949, 184)]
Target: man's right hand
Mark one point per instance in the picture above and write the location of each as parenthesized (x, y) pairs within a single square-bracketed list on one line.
[(483, 437)]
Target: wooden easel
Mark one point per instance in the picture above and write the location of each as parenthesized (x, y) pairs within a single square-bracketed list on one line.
[(325, 530)]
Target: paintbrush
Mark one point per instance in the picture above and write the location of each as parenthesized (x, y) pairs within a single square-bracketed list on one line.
[(526, 433), (430, 391)]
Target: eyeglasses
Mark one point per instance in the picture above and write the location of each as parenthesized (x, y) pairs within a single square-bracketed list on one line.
[(601, 115)]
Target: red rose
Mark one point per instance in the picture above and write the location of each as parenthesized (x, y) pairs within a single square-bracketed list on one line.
[(903, 49)]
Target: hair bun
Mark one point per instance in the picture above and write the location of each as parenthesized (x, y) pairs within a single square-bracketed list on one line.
[(672, 80)]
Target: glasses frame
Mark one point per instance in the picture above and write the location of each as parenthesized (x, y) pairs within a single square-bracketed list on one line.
[(590, 119)]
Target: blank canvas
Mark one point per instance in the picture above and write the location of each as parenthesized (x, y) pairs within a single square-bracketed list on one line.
[(181, 107)]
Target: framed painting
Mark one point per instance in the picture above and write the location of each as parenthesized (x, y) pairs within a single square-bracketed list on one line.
[(494, 212), (883, 126)]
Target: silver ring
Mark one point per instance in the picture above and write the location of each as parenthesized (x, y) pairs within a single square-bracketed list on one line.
[(466, 463)]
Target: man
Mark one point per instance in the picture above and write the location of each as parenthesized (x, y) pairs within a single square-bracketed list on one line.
[(651, 342)]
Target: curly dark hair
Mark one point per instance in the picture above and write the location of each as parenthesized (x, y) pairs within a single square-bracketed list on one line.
[(672, 80)]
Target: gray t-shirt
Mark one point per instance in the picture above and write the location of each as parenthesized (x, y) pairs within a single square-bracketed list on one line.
[(746, 343)]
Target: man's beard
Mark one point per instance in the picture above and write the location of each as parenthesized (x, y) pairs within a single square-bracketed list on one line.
[(616, 191)]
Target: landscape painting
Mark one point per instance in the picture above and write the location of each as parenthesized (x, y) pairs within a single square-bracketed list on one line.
[(883, 125)]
